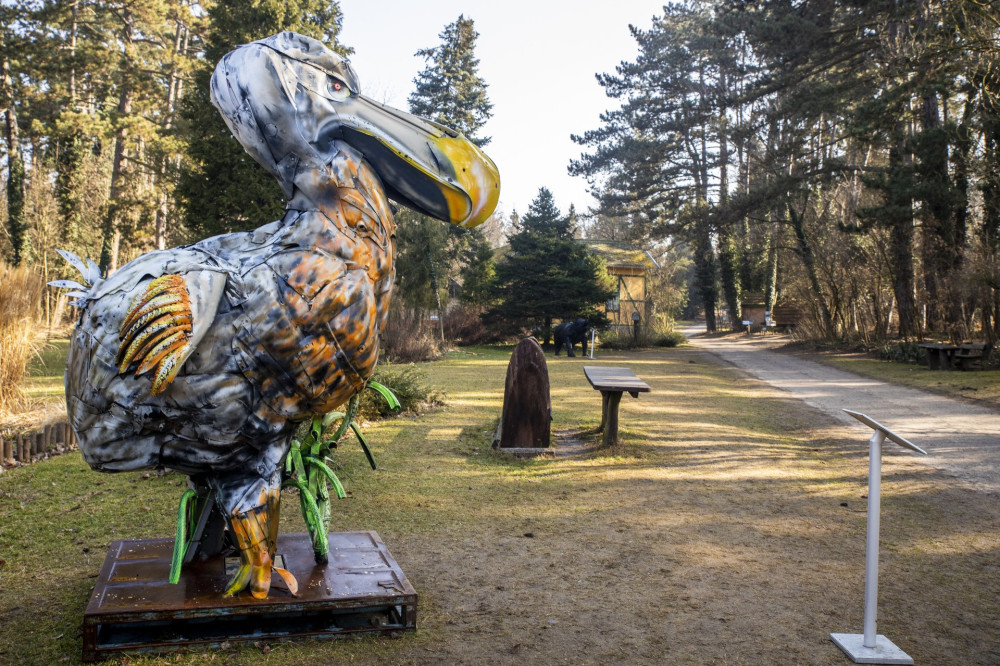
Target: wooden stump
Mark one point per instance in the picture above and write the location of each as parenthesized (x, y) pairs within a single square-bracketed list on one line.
[(527, 406)]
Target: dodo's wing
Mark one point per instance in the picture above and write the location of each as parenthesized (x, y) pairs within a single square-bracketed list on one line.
[(166, 321)]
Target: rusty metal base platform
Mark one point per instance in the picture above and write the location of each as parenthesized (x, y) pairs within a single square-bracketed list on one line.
[(134, 608)]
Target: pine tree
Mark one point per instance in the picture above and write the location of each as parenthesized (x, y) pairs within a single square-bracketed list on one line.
[(547, 274), (449, 91), (223, 188), (656, 152)]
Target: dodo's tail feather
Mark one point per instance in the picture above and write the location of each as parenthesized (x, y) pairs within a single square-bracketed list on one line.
[(90, 272)]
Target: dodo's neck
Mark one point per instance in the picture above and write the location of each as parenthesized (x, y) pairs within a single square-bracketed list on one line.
[(346, 189)]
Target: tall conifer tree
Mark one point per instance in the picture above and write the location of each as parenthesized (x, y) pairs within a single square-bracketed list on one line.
[(547, 274), (449, 91)]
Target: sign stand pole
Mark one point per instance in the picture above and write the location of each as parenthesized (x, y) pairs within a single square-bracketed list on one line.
[(870, 647)]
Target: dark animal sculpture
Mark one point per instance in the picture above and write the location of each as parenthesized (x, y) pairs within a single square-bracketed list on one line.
[(204, 358), (571, 333)]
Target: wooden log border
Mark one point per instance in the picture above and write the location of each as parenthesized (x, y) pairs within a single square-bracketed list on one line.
[(23, 448)]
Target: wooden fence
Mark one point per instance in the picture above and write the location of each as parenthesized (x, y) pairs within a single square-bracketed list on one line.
[(23, 448)]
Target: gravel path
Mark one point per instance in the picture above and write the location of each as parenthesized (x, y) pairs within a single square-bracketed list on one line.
[(961, 439)]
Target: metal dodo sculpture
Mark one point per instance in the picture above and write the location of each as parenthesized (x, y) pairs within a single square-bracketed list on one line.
[(204, 358)]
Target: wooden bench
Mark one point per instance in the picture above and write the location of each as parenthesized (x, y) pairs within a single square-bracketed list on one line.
[(612, 381), (942, 356), (968, 354)]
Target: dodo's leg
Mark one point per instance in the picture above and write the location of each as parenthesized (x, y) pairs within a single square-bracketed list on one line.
[(251, 507)]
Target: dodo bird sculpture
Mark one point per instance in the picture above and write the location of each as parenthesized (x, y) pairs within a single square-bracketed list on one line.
[(204, 358)]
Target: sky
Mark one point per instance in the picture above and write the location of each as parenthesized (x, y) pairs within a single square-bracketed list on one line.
[(538, 59)]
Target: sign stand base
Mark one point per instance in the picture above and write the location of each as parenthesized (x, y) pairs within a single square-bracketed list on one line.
[(884, 652)]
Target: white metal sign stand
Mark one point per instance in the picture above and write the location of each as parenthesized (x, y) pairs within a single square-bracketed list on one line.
[(869, 647), (593, 332)]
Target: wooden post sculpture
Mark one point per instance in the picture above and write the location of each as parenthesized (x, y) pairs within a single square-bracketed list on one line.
[(204, 358), (527, 406)]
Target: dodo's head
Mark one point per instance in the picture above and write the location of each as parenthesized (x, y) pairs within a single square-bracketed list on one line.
[(290, 101)]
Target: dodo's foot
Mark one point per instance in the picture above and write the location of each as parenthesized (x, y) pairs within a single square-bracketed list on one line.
[(256, 533)]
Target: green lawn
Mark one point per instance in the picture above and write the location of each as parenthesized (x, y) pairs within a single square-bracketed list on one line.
[(727, 528), (44, 375), (980, 385)]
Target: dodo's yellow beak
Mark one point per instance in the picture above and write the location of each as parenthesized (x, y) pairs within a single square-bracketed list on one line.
[(478, 180), (423, 165)]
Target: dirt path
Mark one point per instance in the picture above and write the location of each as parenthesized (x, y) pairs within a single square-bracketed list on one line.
[(962, 440)]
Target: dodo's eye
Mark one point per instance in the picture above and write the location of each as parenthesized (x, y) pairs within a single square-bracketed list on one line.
[(337, 88)]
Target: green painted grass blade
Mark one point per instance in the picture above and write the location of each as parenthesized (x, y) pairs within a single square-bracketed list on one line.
[(311, 510), (181, 542), (334, 481), (331, 417), (364, 445), (290, 459), (352, 409), (386, 393)]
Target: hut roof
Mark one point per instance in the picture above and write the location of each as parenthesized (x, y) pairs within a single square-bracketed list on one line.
[(620, 254)]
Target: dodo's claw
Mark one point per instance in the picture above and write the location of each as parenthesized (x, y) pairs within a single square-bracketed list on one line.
[(240, 580), (256, 533)]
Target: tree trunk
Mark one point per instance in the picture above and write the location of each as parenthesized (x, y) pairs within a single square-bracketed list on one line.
[(16, 222), (704, 262), (434, 288), (941, 247), (729, 272), (771, 277), (901, 238), (991, 177), (112, 224), (805, 252), (73, 29), (174, 88), (729, 259)]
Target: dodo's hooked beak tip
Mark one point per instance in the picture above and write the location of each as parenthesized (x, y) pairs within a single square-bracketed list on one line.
[(477, 179)]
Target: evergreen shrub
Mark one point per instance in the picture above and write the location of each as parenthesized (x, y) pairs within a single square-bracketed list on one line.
[(408, 383)]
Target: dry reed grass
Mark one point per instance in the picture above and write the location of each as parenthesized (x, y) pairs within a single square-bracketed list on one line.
[(21, 293)]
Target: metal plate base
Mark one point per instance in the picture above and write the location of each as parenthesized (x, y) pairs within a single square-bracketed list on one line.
[(884, 652), (134, 608)]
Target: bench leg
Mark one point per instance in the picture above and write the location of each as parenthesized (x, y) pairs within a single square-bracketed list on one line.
[(933, 359), (604, 411), (609, 416)]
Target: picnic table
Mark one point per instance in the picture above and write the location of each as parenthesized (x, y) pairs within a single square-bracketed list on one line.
[(941, 356), (612, 381)]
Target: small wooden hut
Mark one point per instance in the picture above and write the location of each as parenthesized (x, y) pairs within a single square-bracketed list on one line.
[(629, 266)]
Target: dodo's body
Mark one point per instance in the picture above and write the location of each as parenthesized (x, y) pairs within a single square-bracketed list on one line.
[(204, 358)]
